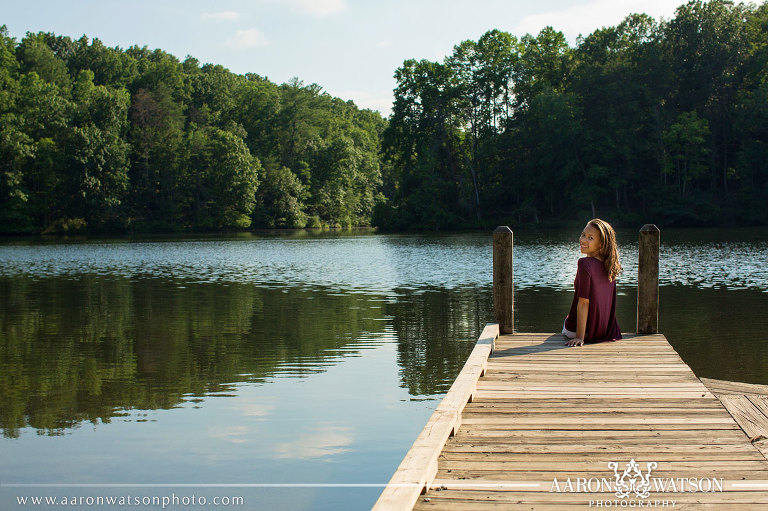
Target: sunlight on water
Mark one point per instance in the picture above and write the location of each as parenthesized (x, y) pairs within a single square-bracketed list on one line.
[(381, 264)]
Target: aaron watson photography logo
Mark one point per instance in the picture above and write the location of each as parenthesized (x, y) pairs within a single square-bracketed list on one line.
[(633, 486)]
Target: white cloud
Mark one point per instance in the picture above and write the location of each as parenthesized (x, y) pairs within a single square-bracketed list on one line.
[(318, 7), (250, 38), (220, 16), (587, 17)]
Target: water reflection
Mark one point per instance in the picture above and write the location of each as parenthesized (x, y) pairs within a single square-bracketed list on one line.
[(82, 350), (316, 441), (87, 349), (436, 330)]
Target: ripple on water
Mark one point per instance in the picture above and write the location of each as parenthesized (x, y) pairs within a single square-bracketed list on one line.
[(390, 264)]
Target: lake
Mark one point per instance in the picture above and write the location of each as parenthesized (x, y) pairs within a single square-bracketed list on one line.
[(294, 370)]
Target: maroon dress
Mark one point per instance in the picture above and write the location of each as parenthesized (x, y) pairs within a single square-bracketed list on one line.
[(592, 283)]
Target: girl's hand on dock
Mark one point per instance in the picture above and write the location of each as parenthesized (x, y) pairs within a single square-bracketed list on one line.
[(575, 342)]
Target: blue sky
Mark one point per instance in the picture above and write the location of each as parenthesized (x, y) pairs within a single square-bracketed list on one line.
[(349, 47)]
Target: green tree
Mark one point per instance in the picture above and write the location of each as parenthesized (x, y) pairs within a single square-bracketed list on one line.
[(483, 71), (280, 200), (686, 141), (223, 179), (543, 65), (257, 103), (16, 149), (707, 43), (36, 118), (423, 143), (36, 56), (621, 82), (98, 151), (751, 123), (111, 67), (549, 140), (9, 65), (156, 135)]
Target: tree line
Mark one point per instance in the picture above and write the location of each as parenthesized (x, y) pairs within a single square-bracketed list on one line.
[(662, 120), (104, 139), (648, 120)]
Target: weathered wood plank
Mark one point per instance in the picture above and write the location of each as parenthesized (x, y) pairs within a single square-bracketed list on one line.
[(596, 465), (511, 394), (505, 410), (747, 415), (613, 446), (707, 457), (747, 403), (544, 496), (607, 403), (560, 435), (460, 505), (761, 403), (735, 488), (523, 476), (734, 387)]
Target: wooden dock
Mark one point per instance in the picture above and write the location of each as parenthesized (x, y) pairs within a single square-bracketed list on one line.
[(527, 410), (530, 423)]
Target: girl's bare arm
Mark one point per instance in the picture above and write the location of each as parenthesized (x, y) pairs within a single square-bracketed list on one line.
[(582, 310)]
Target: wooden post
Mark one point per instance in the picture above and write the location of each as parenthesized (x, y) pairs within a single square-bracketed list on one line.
[(503, 281), (648, 280)]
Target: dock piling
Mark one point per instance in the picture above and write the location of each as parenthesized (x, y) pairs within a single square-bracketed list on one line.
[(648, 280), (503, 280)]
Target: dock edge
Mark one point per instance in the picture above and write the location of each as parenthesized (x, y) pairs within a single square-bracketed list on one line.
[(419, 467)]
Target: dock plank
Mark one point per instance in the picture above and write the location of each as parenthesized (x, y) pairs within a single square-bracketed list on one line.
[(748, 405), (734, 387)]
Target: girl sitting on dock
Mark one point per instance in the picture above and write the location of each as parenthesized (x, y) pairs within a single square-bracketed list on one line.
[(592, 317)]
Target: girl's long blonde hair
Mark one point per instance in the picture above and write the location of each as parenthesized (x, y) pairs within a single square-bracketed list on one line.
[(609, 252)]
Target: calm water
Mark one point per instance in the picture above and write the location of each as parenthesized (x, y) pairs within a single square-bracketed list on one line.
[(162, 367)]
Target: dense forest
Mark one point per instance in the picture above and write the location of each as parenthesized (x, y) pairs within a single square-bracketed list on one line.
[(103, 139), (650, 120), (663, 121)]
